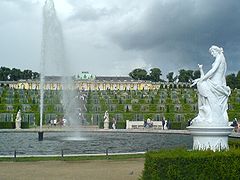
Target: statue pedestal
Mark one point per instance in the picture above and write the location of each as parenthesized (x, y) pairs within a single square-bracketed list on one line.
[(210, 138), (106, 125)]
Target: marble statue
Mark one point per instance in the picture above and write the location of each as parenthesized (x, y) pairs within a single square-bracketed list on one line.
[(106, 120), (213, 92), (210, 128), (18, 120)]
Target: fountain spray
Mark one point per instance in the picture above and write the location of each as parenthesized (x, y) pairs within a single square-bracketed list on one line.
[(53, 60)]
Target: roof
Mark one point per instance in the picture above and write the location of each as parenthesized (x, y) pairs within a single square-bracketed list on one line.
[(113, 78)]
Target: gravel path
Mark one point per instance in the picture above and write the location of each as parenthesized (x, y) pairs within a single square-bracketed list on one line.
[(86, 170)]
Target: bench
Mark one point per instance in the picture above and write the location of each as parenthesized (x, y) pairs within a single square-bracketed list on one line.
[(139, 124)]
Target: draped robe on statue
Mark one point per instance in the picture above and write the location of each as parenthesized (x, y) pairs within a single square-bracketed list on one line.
[(212, 98)]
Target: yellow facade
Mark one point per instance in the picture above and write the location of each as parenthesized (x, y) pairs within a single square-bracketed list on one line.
[(96, 85)]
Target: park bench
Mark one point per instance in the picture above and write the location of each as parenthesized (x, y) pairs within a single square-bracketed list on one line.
[(140, 124)]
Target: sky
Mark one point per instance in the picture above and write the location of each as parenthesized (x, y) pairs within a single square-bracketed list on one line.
[(113, 37)]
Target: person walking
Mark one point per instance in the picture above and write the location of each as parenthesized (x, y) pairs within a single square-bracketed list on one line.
[(163, 123)]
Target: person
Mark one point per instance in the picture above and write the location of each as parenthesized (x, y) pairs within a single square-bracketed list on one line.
[(149, 123), (163, 123), (114, 123), (168, 124), (235, 124), (64, 122), (92, 119), (189, 122), (145, 123), (213, 92), (55, 122)]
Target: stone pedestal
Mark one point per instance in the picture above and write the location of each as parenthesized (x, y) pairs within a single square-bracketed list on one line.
[(210, 138), (106, 124)]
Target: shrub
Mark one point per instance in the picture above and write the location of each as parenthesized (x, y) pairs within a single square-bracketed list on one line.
[(24, 125), (178, 125), (183, 164), (234, 144), (119, 125), (11, 125), (7, 125), (128, 116)]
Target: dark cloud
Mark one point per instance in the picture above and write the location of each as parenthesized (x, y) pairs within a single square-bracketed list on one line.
[(182, 32), (90, 14), (119, 36)]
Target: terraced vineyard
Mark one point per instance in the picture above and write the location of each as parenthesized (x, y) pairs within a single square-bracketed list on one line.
[(177, 105)]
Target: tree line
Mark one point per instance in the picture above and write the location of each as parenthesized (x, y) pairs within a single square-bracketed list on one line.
[(7, 74), (155, 75), (186, 76), (233, 80)]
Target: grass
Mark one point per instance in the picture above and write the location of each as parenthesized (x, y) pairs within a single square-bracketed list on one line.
[(72, 158)]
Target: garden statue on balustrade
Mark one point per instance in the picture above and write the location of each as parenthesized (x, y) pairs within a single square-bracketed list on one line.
[(106, 120), (18, 120)]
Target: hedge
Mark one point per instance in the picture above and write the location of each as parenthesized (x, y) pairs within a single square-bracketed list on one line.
[(178, 125), (234, 144), (11, 125), (119, 125), (183, 164), (7, 125)]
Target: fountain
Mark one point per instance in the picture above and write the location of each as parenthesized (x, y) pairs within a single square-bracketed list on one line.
[(53, 60)]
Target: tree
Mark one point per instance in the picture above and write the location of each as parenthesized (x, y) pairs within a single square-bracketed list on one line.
[(15, 74), (138, 74), (35, 75), (5, 72), (170, 76), (238, 80), (27, 74), (196, 74), (231, 80), (185, 75), (155, 74)]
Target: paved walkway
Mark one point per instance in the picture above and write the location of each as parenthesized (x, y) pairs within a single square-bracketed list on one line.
[(61, 170), (94, 129)]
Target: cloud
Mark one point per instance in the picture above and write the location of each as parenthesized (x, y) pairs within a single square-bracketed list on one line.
[(186, 30), (90, 14), (23, 4), (20, 34), (108, 37)]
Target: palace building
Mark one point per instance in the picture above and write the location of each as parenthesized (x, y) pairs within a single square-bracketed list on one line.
[(86, 81)]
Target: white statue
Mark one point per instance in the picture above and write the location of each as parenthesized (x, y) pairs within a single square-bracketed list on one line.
[(106, 117), (18, 120), (213, 93), (210, 128), (106, 120)]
